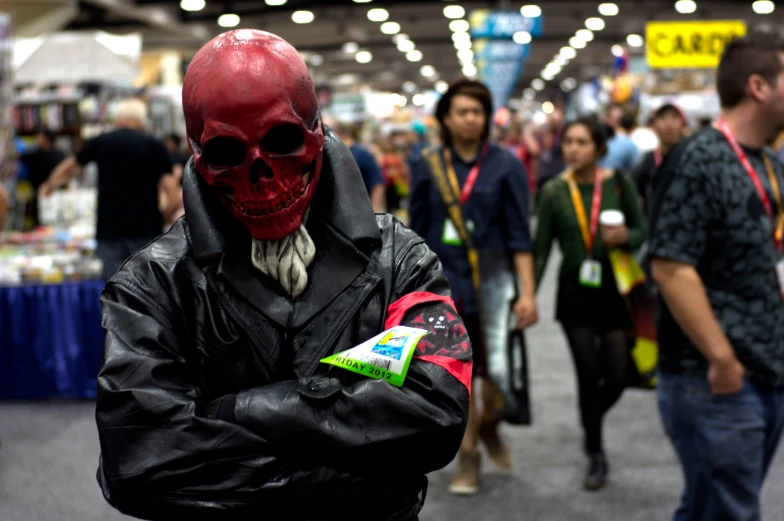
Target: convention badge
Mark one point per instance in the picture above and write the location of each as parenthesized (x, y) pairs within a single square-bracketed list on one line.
[(780, 276), (450, 235), (591, 273), (386, 356), (470, 226)]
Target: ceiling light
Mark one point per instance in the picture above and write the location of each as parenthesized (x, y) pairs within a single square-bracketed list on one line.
[(685, 6), (537, 84), (362, 1), (553, 68), (522, 37), (399, 100), (418, 100), (531, 11), (192, 5), (405, 46), (547, 107), (568, 52), (617, 51), (465, 55), (409, 86), (275, 3), (568, 84), (547, 75), (585, 35), (350, 47), (363, 57), (454, 11), (302, 17), (390, 28), (608, 9), (414, 56), (228, 20), (763, 6), (469, 70), (560, 60), (441, 86), (635, 40), (459, 26), (427, 71), (529, 94), (594, 24), (577, 43), (317, 60), (378, 15), (461, 37), (399, 37), (462, 45)]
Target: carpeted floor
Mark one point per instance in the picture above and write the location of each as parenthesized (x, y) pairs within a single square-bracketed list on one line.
[(49, 454)]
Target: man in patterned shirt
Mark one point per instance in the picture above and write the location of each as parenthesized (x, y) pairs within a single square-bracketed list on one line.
[(717, 227)]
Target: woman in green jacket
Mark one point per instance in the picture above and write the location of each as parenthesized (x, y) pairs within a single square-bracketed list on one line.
[(574, 210)]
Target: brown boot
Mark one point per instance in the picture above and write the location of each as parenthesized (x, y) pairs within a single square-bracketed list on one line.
[(465, 481), (497, 450)]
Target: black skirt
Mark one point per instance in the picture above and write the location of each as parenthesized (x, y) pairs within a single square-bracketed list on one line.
[(603, 309)]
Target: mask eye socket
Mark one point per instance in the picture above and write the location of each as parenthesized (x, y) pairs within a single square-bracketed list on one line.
[(224, 152), (283, 140)]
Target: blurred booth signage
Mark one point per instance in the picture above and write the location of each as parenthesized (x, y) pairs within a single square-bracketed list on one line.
[(502, 24), (500, 77), (500, 50), (687, 45)]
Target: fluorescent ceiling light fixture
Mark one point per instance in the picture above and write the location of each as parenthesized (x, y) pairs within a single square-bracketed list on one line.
[(418, 100), (529, 94), (441, 86), (469, 70), (461, 37), (414, 56), (427, 71), (560, 60), (275, 3), (350, 47), (317, 60), (635, 40), (548, 107), (585, 35), (594, 24), (531, 11), (192, 5), (568, 52), (617, 51), (409, 86), (302, 17), (465, 55), (378, 15), (554, 68), (569, 84), (228, 20), (537, 84), (763, 6), (685, 6), (522, 37), (463, 45), (362, 1), (547, 75), (454, 11), (405, 46), (577, 43), (363, 57), (390, 28), (608, 9), (459, 26), (400, 37)]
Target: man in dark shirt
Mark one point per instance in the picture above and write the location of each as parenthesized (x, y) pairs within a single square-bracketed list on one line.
[(717, 258), (368, 167), (39, 163), (131, 164)]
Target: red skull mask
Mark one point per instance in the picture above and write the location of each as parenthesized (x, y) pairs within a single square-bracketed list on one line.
[(254, 128)]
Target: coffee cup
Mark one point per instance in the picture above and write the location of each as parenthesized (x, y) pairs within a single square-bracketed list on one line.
[(612, 218)]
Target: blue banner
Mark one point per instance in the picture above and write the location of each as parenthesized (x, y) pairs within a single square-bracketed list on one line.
[(500, 77), (502, 24), (500, 50)]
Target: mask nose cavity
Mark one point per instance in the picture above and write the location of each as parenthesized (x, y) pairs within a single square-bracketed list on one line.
[(259, 169)]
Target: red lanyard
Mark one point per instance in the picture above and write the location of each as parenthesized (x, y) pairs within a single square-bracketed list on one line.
[(473, 174), (596, 204), (777, 221), (657, 157)]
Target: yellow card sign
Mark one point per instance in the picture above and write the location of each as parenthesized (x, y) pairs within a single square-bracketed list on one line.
[(687, 45)]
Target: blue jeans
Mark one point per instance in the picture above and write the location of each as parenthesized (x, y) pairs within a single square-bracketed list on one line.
[(725, 445)]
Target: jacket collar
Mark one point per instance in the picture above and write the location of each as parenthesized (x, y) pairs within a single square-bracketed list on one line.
[(341, 223)]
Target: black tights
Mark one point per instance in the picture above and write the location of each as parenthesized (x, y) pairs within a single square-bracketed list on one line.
[(601, 365)]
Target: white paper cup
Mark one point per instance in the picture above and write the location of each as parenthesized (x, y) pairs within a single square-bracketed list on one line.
[(611, 218)]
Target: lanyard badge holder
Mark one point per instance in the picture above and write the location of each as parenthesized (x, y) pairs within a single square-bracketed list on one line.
[(777, 219), (590, 269), (451, 235)]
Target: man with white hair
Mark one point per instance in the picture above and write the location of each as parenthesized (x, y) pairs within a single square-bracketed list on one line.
[(132, 165)]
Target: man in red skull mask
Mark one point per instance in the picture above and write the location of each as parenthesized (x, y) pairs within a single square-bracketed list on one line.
[(212, 401)]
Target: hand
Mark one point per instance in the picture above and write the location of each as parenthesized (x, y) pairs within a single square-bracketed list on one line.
[(615, 235), (525, 312), (726, 377), (45, 190)]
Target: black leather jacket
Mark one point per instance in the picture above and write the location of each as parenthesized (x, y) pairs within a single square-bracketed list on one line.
[(189, 320)]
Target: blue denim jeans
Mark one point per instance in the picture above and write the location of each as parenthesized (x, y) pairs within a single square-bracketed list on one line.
[(725, 445)]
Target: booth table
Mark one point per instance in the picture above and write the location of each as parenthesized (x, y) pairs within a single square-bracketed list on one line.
[(51, 340)]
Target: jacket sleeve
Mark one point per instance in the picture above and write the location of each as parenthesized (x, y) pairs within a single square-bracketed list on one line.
[(367, 426), (162, 458)]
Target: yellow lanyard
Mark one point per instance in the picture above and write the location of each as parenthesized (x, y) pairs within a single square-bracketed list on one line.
[(774, 184), (579, 209)]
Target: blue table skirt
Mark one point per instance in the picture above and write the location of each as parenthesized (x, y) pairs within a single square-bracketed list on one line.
[(51, 340)]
